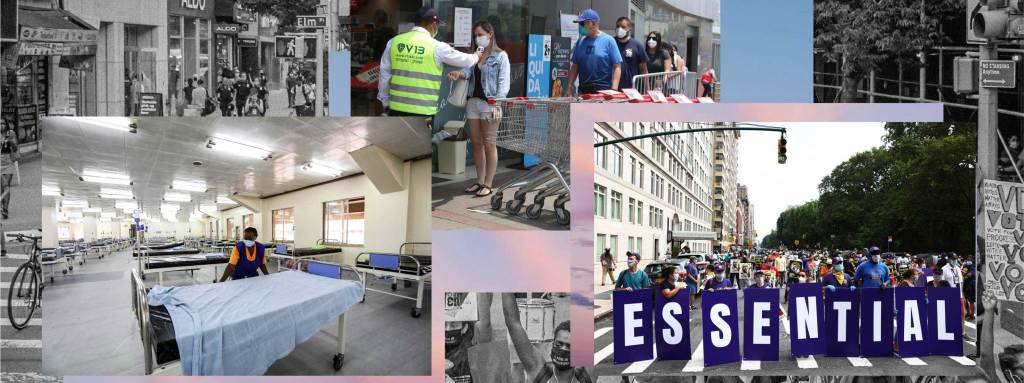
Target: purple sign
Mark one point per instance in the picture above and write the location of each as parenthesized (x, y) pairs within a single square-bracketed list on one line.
[(631, 320), (911, 322), (946, 333), (806, 319), (842, 312), (672, 326), (876, 325), (721, 327), (761, 324)]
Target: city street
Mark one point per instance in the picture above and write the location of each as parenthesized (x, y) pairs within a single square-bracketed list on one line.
[(786, 365)]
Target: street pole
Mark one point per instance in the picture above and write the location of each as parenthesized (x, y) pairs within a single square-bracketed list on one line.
[(988, 117), (319, 104)]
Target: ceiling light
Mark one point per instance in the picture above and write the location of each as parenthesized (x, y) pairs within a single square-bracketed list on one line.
[(92, 210), (125, 205), (199, 187), (177, 197), (238, 148), (73, 214), (74, 203), (226, 201), (105, 178), (170, 207), (116, 123), (320, 168), (106, 190), (208, 209), (51, 191), (108, 214), (117, 196)]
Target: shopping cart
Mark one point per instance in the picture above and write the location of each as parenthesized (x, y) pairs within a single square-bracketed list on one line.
[(668, 83), (537, 127)]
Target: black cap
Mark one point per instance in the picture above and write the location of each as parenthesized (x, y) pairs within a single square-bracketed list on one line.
[(427, 13)]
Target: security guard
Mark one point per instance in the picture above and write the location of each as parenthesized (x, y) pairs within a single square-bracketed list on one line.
[(411, 68)]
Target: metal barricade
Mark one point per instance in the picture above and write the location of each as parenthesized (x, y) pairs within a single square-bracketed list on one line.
[(668, 83)]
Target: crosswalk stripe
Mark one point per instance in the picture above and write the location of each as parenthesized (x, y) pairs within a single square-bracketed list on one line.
[(963, 360), (696, 363), (21, 343), (17, 303), (915, 361), (31, 322), (641, 366), (859, 362), (604, 353), (748, 365), (602, 331), (11, 269), (17, 256), (806, 362), (971, 325)]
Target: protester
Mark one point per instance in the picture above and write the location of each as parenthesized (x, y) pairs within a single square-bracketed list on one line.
[(634, 57), (718, 282), (872, 273), (291, 82), (607, 266), (242, 90), (225, 97), (969, 290), (838, 278), (668, 286), (595, 59), (692, 280), (633, 278)]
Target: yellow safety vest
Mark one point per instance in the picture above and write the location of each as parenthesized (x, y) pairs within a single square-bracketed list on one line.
[(415, 85)]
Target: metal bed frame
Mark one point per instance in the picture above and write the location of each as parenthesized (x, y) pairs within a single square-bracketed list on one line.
[(396, 275), (140, 307), (300, 258)]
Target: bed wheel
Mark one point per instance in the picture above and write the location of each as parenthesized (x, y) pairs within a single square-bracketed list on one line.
[(72, 268), (339, 360), (51, 279), (415, 312), (364, 299), (394, 286), (64, 271), (408, 283)]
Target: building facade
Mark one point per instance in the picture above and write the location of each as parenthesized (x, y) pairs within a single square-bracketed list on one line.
[(650, 189), (745, 222), (726, 161)]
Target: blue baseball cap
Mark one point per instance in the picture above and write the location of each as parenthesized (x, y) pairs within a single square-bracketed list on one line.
[(587, 15), (428, 13)]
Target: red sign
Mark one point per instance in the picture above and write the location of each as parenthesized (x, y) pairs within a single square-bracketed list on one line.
[(368, 75)]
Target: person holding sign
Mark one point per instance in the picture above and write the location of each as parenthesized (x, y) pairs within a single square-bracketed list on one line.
[(838, 278), (668, 286), (537, 371), (872, 273), (718, 282), (632, 279), (596, 59)]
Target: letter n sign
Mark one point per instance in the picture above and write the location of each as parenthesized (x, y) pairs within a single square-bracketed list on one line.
[(633, 325)]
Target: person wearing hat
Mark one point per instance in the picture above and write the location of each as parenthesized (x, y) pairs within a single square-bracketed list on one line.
[(411, 68), (633, 278), (838, 278), (595, 59), (759, 280), (718, 282)]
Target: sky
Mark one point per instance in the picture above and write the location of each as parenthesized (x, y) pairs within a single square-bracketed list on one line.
[(813, 150)]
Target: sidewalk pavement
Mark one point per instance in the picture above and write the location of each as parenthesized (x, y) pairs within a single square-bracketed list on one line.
[(603, 294), (454, 209)]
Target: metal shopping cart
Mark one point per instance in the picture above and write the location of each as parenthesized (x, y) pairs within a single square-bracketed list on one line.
[(668, 83), (537, 127)]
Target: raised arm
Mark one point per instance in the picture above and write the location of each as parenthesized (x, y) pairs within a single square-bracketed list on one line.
[(483, 324), (528, 354)]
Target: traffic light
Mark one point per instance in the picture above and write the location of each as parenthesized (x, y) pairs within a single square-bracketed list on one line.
[(782, 150), (998, 19)]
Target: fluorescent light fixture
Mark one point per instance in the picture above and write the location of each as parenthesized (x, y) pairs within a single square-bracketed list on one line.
[(238, 148), (116, 123), (105, 178), (126, 205), (108, 214), (92, 210), (320, 168), (117, 196), (199, 187), (170, 207), (224, 200), (51, 191), (114, 191), (74, 203), (177, 197), (103, 219), (73, 214)]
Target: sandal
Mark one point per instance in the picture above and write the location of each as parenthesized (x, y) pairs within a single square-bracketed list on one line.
[(481, 193), (473, 188)]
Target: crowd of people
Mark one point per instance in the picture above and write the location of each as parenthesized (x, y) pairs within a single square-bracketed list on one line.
[(245, 93)]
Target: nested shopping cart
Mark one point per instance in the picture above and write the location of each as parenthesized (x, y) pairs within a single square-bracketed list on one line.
[(540, 128), (669, 83)]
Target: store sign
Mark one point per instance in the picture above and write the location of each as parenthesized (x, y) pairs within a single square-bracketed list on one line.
[(460, 307), (311, 21), (57, 35), (998, 74), (247, 42), (227, 28), (194, 4), (151, 104), (31, 48)]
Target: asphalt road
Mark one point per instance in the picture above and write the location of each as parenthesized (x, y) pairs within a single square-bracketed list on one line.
[(786, 365)]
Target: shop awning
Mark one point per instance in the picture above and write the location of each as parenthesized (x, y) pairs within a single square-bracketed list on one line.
[(53, 32), (693, 236)]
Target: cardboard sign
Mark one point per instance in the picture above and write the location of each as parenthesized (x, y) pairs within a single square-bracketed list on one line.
[(761, 327), (806, 319), (911, 321), (631, 320), (460, 307), (875, 323), (842, 311), (721, 327), (946, 335), (1004, 254), (672, 326)]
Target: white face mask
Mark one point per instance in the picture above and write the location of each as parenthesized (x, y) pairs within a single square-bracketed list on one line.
[(483, 41), (652, 44), (620, 32), (802, 280)]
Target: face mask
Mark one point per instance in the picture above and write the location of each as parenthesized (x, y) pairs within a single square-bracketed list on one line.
[(631, 263), (759, 280), (652, 43), (433, 33), (249, 242), (719, 276), (560, 358), (483, 41), (620, 32), (839, 268), (802, 279), (874, 259)]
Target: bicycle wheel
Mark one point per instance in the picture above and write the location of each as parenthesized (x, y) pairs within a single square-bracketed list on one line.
[(23, 296)]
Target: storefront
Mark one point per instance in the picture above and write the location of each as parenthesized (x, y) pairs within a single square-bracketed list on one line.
[(244, 40), (190, 46)]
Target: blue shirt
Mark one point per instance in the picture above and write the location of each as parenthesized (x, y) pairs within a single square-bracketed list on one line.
[(692, 270), (714, 283), (595, 58), (635, 281), (872, 274), (633, 54)]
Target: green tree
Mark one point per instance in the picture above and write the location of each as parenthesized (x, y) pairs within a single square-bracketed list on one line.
[(285, 11), (859, 35)]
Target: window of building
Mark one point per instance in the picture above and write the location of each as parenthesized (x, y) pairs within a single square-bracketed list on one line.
[(639, 213), (283, 225), (616, 206), (345, 221), (599, 151), (247, 221), (631, 213), (613, 243), (599, 245), (616, 161), (230, 225), (599, 193)]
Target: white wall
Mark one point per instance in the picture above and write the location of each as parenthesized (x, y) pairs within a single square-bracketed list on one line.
[(49, 226)]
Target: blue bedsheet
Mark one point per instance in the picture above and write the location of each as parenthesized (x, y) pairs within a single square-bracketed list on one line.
[(241, 327)]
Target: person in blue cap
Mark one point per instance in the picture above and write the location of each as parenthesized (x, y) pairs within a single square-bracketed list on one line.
[(595, 60), (872, 273)]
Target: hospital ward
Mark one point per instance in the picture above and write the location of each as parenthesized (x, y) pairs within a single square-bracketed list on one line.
[(218, 246)]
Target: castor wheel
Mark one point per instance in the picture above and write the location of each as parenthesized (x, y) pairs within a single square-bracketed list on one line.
[(408, 283), (533, 211), (51, 279), (562, 216), (415, 312), (513, 207), (394, 287), (339, 360), (65, 272), (363, 300), (72, 268), (496, 201)]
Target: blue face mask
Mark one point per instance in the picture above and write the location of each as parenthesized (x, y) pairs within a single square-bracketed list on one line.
[(583, 30), (839, 268), (249, 242)]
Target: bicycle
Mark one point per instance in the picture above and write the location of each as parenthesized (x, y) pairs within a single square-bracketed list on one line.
[(26, 286)]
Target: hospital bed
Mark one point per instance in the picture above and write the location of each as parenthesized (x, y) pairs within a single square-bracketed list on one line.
[(162, 245), (410, 265), (165, 252), (207, 329), (61, 256), (320, 250), (187, 262)]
